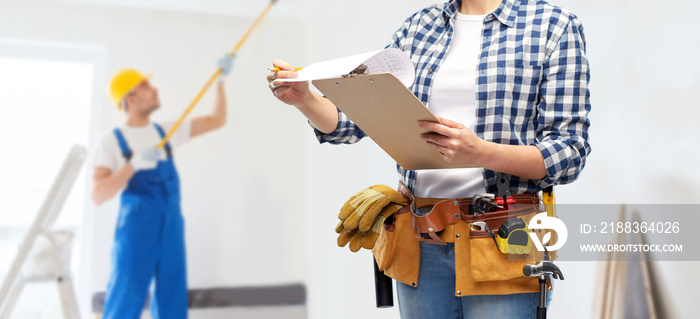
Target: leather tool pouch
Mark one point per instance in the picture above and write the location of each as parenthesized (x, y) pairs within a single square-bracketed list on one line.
[(487, 262), (428, 221), (397, 251)]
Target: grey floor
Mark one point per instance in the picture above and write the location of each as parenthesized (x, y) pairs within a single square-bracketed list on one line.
[(286, 312)]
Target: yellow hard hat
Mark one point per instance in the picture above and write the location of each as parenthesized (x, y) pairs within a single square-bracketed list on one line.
[(123, 82)]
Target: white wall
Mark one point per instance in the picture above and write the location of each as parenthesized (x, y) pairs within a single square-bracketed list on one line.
[(643, 132), (643, 135)]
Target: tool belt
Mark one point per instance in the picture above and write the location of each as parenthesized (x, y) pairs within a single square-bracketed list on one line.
[(480, 267), (433, 219)]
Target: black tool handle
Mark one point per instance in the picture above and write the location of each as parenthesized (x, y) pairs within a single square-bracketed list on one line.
[(382, 288), (541, 312), (542, 307)]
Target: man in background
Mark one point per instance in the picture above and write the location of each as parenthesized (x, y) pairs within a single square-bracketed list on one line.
[(149, 237)]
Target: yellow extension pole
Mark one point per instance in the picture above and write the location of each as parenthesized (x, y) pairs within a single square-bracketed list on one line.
[(214, 76)]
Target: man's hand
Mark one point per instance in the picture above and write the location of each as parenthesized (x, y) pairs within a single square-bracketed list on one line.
[(292, 93), (456, 143), (146, 159), (226, 65), (108, 183)]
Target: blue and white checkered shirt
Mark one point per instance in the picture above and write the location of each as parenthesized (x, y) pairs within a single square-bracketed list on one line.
[(532, 84)]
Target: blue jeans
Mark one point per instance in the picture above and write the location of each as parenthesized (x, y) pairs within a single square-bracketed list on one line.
[(434, 296)]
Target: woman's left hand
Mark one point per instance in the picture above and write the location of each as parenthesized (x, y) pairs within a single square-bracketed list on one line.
[(456, 143)]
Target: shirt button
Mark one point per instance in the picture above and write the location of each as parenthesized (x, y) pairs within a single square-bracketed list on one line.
[(430, 71)]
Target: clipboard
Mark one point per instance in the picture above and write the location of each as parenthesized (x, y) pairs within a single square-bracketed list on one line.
[(388, 112)]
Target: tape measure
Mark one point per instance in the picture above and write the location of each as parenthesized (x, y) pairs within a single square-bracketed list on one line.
[(513, 237)]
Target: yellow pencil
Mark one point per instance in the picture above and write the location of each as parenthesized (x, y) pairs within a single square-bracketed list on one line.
[(278, 69)]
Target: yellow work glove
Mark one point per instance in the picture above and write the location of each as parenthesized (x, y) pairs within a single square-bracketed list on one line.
[(367, 239), (361, 209)]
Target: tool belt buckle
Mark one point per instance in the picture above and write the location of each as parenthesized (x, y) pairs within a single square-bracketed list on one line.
[(429, 220), (480, 225)]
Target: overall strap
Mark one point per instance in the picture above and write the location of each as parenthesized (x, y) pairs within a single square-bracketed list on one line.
[(162, 135), (126, 151)]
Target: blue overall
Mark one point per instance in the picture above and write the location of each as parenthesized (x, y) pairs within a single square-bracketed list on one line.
[(149, 244)]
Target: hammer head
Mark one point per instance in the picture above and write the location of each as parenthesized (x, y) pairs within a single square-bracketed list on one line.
[(543, 268)]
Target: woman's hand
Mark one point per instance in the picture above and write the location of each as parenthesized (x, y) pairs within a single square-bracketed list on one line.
[(459, 145), (456, 143), (321, 112), (292, 93)]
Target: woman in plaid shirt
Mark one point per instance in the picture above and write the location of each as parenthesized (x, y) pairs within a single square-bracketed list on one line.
[(509, 81)]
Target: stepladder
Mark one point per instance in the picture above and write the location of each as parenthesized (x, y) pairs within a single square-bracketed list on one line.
[(44, 254)]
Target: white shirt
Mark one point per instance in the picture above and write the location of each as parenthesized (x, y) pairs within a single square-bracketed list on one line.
[(108, 153), (453, 96)]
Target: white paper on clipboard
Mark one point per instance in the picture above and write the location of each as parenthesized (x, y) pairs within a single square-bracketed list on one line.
[(389, 60)]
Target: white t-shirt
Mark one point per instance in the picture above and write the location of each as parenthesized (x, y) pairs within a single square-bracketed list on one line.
[(108, 153), (453, 96)]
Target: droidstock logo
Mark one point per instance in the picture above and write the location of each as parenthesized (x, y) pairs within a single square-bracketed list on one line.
[(542, 221)]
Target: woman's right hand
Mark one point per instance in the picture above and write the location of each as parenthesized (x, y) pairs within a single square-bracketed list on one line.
[(292, 93), (320, 112)]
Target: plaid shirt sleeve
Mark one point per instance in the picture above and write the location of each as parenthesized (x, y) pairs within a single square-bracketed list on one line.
[(562, 127), (347, 132)]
